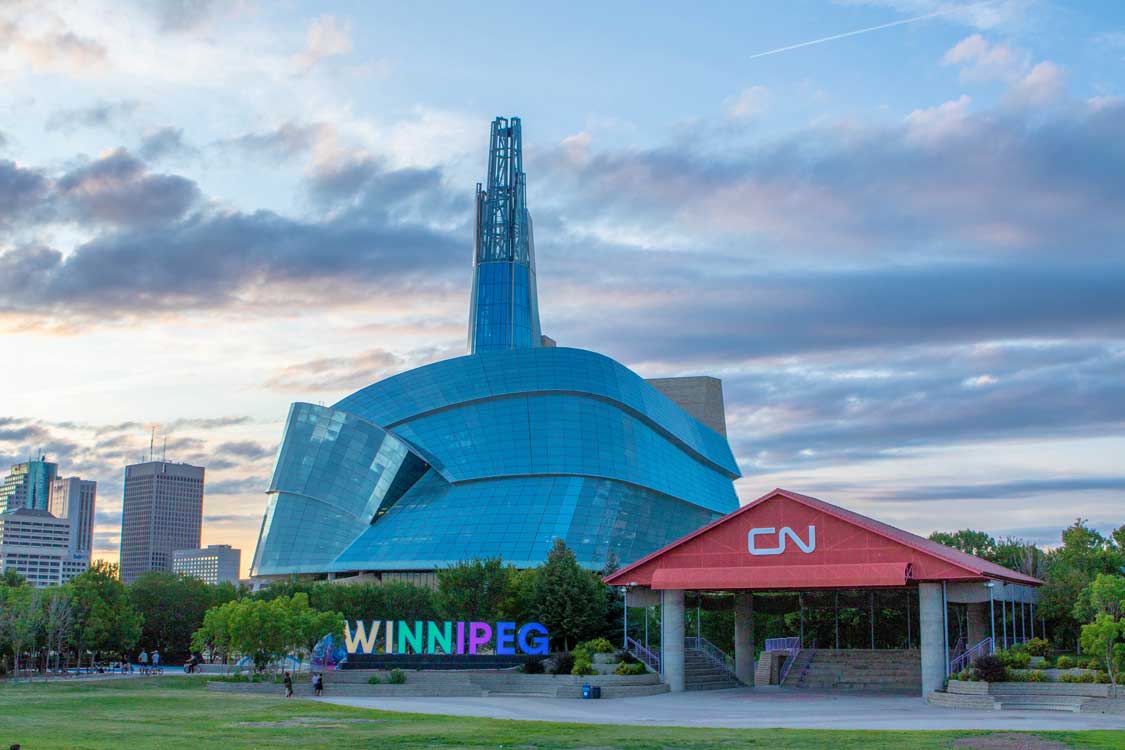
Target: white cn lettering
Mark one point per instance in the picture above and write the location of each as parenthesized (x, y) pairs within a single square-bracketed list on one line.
[(805, 547)]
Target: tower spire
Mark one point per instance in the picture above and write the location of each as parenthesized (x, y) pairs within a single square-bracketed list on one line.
[(504, 311)]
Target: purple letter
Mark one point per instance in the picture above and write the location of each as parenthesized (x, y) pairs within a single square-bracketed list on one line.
[(480, 633)]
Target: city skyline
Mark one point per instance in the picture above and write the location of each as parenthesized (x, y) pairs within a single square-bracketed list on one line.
[(901, 251)]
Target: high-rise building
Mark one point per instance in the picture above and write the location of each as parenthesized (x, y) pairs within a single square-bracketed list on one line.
[(500, 452), (73, 499), (162, 512), (28, 485), (215, 563), (36, 545)]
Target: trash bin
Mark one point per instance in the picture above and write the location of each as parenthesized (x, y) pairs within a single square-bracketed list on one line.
[(587, 692), (596, 691)]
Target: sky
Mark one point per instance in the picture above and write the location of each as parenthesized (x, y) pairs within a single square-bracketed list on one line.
[(903, 250)]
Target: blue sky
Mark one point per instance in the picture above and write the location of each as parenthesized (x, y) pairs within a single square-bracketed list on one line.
[(901, 250)]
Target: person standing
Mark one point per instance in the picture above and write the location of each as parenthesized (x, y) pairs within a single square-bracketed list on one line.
[(318, 683), (288, 682), (155, 660), (143, 659)]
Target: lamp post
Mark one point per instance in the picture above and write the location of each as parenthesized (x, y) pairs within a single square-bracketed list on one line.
[(991, 619)]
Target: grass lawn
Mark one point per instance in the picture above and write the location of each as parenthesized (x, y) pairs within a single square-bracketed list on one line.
[(178, 712)]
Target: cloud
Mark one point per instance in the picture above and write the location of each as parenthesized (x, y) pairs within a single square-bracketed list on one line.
[(179, 15), (163, 142), (42, 43), (243, 486), (1043, 84), (287, 140), (327, 37), (117, 188), (748, 104), (981, 60), (22, 191), (1013, 490), (99, 115), (247, 449)]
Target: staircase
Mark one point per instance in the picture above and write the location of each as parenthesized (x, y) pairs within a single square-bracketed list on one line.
[(892, 671), (701, 673), (1028, 696)]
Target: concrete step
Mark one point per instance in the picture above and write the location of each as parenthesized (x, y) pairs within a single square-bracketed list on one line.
[(716, 685), (1025, 706)]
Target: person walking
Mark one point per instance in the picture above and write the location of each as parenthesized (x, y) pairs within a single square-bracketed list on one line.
[(288, 682), (155, 660), (318, 683), (143, 659)]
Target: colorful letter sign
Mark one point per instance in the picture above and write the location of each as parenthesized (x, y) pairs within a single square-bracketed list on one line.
[(431, 637)]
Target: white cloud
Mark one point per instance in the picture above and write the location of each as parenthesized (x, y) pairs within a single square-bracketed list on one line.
[(940, 122), (1042, 85), (747, 104), (981, 60), (327, 37)]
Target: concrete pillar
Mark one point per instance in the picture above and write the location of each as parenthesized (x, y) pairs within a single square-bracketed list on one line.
[(931, 630), (672, 638), (744, 637), (977, 616)]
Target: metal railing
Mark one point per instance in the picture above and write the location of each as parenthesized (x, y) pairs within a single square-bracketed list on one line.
[(969, 655), (792, 647), (649, 658), (714, 654)]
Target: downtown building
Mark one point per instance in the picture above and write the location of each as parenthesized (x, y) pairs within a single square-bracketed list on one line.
[(500, 452), (46, 527), (214, 564), (162, 512)]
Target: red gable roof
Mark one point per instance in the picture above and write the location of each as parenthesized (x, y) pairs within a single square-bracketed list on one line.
[(784, 540)]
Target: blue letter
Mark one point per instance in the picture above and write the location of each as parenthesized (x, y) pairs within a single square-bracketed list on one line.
[(504, 636), (537, 645)]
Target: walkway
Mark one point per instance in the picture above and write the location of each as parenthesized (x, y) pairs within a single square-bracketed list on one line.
[(745, 708)]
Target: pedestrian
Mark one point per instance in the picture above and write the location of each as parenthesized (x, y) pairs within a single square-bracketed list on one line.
[(318, 683), (143, 659), (288, 681), (155, 660)]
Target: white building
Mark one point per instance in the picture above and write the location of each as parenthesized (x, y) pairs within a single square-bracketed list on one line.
[(73, 499), (37, 546), (214, 563)]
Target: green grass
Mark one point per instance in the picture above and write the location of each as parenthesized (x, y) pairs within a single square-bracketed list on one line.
[(178, 713)]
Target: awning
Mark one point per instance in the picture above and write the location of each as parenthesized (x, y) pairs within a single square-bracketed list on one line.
[(766, 577)]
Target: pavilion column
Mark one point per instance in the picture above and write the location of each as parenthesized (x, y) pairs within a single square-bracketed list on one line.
[(744, 637), (672, 638), (931, 630), (977, 615)]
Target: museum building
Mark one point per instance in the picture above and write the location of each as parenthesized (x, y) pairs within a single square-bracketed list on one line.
[(499, 452)]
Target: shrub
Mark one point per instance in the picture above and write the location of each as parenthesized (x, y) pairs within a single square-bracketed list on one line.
[(1014, 657), (532, 665), (1084, 677), (373, 680), (966, 675), (990, 669), (396, 677), (1038, 647), (596, 646), (1093, 663), (1101, 677), (1035, 675), (582, 667), (627, 658), (1065, 662), (630, 669), (564, 664)]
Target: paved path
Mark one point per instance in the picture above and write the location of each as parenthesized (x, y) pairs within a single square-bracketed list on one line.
[(743, 708)]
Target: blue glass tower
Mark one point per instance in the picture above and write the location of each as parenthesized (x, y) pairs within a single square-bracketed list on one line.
[(497, 453), (504, 311)]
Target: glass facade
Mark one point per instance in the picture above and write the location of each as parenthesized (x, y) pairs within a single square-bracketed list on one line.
[(489, 455)]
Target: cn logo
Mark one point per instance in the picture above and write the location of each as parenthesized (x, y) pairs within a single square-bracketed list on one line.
[(805, 547)]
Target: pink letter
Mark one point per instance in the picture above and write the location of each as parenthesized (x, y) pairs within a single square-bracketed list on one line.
[(480, 633), (460, 637)]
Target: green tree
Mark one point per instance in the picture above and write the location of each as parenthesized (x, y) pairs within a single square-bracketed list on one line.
[(12, 578), (1070, 568), (104, 619), (214, 636), (1104, 595), (58, 621), (1105, 638), (172, 607), (473, 590), (309, 625), (569, 601), (976, 543), (21, 620)]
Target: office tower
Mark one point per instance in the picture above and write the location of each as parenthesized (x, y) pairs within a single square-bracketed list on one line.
[(37, 546), (73, 499), (162, 512), (213, 564), (28, 485)]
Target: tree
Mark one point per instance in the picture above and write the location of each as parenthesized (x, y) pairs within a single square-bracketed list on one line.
[(473, 590), (976, 543), (104, 619), (22, 620), (1070, 569), (1104, 595), (1105, 638), (569, 602), (309, 625), (12, 578), (172, 607), (214, 636), (58, 622)]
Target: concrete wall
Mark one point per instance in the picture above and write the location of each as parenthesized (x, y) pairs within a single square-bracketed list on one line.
[(672, 639), (931, 606), (700, 396)]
